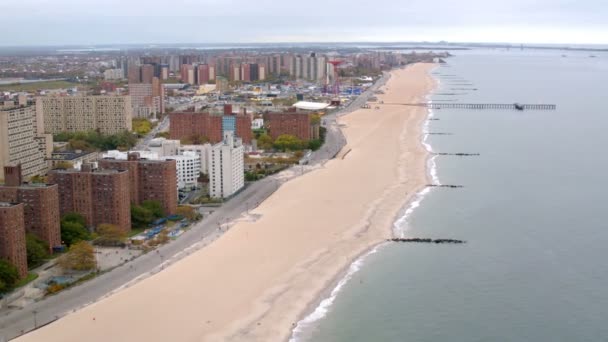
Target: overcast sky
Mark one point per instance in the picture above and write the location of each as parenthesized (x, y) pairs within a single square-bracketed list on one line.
[(60, 22)]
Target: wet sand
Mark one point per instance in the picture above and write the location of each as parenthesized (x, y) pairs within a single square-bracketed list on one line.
[(261, 277)]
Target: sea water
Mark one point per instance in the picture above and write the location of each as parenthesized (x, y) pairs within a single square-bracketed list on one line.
[(533, 211)]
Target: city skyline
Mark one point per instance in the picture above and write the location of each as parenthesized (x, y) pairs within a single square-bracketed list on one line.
[(53, 23)]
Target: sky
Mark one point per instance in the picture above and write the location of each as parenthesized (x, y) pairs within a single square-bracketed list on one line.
[(94, 22)]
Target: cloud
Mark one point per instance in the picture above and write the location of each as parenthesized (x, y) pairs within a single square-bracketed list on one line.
[(55, 22)]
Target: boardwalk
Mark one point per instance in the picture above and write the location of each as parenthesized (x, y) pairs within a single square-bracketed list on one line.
[(513, 106)]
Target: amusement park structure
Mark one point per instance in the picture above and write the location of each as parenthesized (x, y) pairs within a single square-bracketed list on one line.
[(335, 88)]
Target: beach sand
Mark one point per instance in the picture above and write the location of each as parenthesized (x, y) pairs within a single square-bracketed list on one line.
[(261, 277)]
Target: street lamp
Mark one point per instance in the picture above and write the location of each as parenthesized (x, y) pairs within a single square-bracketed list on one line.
[(35, 319)]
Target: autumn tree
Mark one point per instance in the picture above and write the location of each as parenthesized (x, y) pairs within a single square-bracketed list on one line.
[(80, 257), (110, 235), (264, 142)]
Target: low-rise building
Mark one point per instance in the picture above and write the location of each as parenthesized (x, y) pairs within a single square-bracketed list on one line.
[(75, 158), (164, 147)]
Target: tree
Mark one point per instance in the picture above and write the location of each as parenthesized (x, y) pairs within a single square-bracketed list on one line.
[(37, 250), (187, 212), (9, 275), (80, 257), (264, 141), (288, 142), (38, 179), (315, 144), (74, 217), (73, 229), (64, 165), (110, 235), (140, 216), (155, 208)]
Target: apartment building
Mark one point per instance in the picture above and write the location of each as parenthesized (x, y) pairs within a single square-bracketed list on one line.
[(292, 123), (12, 236), (226, 167), (21, 139), (106, 114), (41, 205), (101, 196), (148, 179), (185, 125)]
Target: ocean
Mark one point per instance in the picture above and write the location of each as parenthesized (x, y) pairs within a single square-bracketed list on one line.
[(531, 210)]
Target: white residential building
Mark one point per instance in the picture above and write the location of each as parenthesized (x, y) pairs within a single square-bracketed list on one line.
[(113, 74), (188, 164), (226, 167), (188, 169), (257, 123), (201, 150)]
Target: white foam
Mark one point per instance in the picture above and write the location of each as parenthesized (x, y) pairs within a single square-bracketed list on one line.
[(400, 225), (323, 308)]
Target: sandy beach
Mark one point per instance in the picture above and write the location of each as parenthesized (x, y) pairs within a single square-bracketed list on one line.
[(260, 278)]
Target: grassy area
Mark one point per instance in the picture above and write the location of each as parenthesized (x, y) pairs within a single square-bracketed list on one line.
[(135, 231), (30, 277), (32, 87)]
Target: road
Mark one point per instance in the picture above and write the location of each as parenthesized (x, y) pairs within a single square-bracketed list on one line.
[(16, 322), (145, 141)]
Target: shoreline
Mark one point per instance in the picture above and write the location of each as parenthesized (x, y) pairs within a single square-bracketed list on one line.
[(256, 280), (335, 286)]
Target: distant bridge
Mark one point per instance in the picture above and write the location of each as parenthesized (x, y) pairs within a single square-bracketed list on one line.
[(435, 105)]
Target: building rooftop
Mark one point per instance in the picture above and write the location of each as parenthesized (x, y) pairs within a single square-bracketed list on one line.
[(69, 155), (29, 186), (305, 105), (97, 171)]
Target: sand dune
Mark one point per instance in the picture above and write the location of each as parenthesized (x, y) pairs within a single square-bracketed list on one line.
[(259, 278)]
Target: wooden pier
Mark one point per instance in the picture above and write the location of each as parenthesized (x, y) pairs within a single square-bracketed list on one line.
[(512, 106)]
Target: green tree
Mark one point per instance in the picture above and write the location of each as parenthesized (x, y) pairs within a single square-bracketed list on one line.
[(288, 142), (155, 207), (73, 229), (37, 250), (110, 235), (140, 216), (74, 217), (9, 275), (80, 257), (315, 144), (264, 141)]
